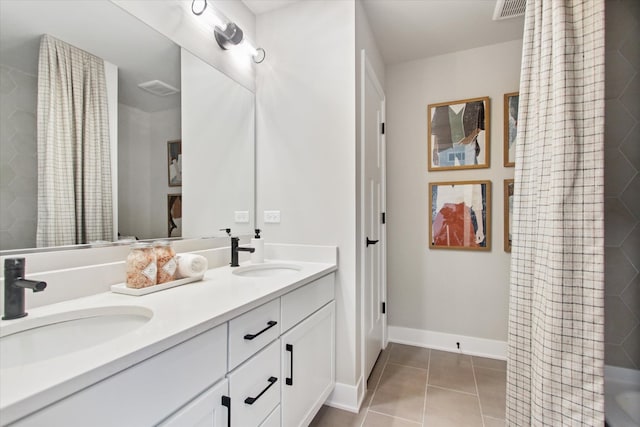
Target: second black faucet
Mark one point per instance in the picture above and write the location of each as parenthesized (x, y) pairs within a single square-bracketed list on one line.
[(235, 248)]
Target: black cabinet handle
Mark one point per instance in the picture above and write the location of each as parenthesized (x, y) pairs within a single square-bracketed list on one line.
[(371, 242), (226, 401), (289, 381), (251, 400), (270, 324)]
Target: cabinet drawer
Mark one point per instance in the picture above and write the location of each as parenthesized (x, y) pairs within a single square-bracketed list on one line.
[(273, 420), (298, 304), (251, 331), (146, 393), (258, 379)]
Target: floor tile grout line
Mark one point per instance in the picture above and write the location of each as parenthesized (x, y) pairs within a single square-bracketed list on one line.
[(473, 371), (453, 389), (407, 366), (395, 417), (493, 369), (426, 388), (375, 387)]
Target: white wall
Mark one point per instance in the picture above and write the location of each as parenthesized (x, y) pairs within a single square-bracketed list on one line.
[(18, 160), (134, 183), (448, 291), (165, 126), (218, 168), (306, 143), (174, 19), (142, 180), (366, 41)]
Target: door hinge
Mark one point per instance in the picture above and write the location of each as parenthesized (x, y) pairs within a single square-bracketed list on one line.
[(384, 217), (384, 308), (382, 127)]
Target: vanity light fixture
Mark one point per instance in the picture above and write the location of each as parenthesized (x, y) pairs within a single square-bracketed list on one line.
[(227, 33)]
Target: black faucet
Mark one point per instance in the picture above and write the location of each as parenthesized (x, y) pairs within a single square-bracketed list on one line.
[(14, 286), (235, 248)]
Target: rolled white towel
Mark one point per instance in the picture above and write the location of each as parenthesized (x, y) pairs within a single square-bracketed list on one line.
[(191, 265)]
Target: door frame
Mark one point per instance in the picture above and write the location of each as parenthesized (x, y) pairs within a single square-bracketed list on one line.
[(367, 71)]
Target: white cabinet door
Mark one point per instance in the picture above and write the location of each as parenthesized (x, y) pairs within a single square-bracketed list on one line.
[(308, 366), (210, 409)]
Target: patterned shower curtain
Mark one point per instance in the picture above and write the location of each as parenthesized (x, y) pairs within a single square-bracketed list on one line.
[(556, 308), (74, 165)]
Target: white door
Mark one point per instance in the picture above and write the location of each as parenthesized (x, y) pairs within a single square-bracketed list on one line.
[(211, 409), (373, 200), (308, 367)]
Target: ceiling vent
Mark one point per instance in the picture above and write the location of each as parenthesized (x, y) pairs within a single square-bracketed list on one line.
[(506, 9), (157, 87)]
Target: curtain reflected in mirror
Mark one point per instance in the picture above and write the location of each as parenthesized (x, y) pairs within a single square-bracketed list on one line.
[(74, 163)]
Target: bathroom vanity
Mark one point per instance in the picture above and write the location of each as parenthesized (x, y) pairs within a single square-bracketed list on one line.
[(251, 346)]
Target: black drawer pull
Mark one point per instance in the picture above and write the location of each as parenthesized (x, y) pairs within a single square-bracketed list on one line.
[(250, 400), (270, 324), (371, 242), (289, 381), (226, 401)]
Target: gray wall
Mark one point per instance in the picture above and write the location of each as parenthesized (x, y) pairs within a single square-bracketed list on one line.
[(622, 184), (445, 291), (18, 163)]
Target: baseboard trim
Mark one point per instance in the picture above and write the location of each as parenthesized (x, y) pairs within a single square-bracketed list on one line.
[(347, 397), (493, 349)]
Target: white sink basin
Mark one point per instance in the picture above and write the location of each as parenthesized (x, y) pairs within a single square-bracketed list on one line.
[(32, 340), (266, 270)]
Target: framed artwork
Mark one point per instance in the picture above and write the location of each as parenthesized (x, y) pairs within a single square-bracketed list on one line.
[(508, 213), (174, 163), (458, 134), (460, 215), (174, 215), (510, 127)]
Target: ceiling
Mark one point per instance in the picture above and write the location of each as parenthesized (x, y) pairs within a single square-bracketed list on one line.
[(407, 30)]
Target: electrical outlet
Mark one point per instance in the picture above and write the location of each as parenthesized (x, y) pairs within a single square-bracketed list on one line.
[(241, 217), (272, 217)]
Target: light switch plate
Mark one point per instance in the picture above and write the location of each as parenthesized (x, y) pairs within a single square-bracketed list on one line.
[(272, 217), (241, 217)]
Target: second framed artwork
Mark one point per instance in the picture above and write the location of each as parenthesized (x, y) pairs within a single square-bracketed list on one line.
[(174, 163), (508, 213), (458, 134), (460, 215), (511, 101)]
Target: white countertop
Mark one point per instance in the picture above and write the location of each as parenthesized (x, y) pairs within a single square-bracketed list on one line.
[(178, 314)]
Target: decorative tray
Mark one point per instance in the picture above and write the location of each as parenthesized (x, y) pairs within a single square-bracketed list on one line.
[(121, 288)]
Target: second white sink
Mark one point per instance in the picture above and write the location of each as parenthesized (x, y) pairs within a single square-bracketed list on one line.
[(36, 339), (266, 270)]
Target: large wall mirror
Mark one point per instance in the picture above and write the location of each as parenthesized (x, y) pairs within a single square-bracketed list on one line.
[(150, 179)]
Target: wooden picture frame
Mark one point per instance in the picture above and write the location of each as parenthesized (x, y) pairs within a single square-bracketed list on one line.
[(458, 134), (174, 163), (174, 215), (460, 215), (510, 128), (508, 212)]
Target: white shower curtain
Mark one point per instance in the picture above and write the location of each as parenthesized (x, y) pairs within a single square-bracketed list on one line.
[(74, 165), (556, 311)]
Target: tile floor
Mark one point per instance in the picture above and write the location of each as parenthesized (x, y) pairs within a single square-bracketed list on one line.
[(413, 386)]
